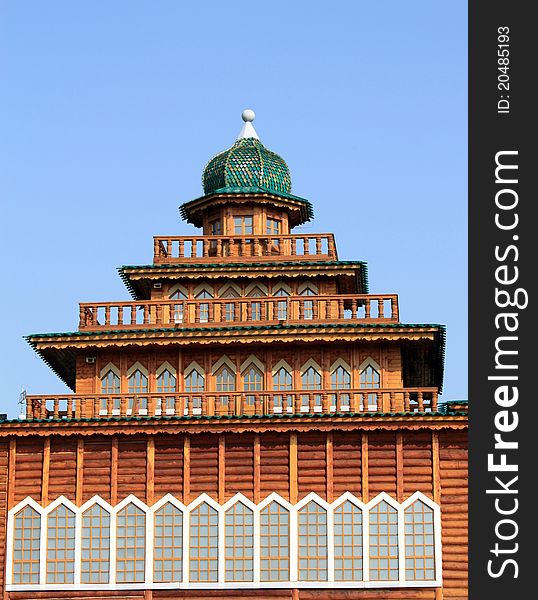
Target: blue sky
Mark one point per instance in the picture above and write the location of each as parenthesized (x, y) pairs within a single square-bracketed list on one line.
[(110, 109)]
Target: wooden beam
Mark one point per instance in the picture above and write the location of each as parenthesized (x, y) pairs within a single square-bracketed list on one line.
[(222, 468), (150, 470), (399, 467), (11, 473), (329, 466), (436, 468), (364, 466), (186, 469), (114, 471), (80, 471), (45, 472), (294, 491), (257, 468)]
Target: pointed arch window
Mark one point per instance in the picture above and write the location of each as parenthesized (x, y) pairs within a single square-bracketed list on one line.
[(239, 565), (311, 380), (166, 382), (195, 383), (308, 305), (225, 382), (348, 542), (61, 545), (312, 520), (282, 382), (168, 544), (26, 546), (341, 380), (203, 307), (419, 542), (138, 383), (110, 383), (370, 379), (179, 307), (204, 543), (282, 305), (256, 307), (383, 542), (274, 543), (95, 540), (252, 382), (229, 307), (130, 545)]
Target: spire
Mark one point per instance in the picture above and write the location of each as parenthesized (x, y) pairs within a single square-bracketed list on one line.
[(248, 131)]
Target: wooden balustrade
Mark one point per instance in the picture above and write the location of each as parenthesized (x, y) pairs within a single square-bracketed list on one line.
[(244, 247), (364, 400), (223, 311)]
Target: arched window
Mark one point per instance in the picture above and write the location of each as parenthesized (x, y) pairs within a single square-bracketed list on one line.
[(26, 543), (383, 542), (229, 307), (110, 383), (252, 382), (282, 382), (239, 543), (274, 543), (138, 383), (195, 383), (340, 380), (168, 544), (95, 554), (166, 382), (61, 545), (179, 307), (311, 380), (256, 313), (312, 544), (282, 306), (203, 307), (419, 542), (348, 542), (370, 379), (225, 382), (204, 543), (130, 545), (308, 313)]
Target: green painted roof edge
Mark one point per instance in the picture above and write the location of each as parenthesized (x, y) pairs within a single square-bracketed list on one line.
[(275, 416), (183, 209), (441, 351)]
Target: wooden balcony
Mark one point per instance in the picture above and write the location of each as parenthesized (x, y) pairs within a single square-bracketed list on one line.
[(421, 400), (242, 248), (239, 311)]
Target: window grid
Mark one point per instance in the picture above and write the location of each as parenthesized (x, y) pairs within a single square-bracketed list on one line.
[(243, 225), (166, 383), (110, 383), (311, 380), (341, 380), (178, 308), (239, 561), (370, 379), (282, 381), (312, 543), (204, 543), (131, 545), (274, 543), (383, 542), (348, 542), (138, 383), (419, 543), (95, 540), (194, 382), (27, 538), (61, 546), (273, 226), (168, 544)]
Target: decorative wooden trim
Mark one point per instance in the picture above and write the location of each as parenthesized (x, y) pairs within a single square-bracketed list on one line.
[(45, 472), (80, 471), (329, 466), (364, 466), (150, 470), (257, 468), (186, 469), (114, 471), (11, 473), (399, 467), (293, 468), (294, 594), (438, 593), (222, 468), (436, 468)]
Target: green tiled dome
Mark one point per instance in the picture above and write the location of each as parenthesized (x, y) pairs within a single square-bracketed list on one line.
[(248, 163)]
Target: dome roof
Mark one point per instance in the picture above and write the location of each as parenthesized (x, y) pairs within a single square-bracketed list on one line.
[(248, 163)]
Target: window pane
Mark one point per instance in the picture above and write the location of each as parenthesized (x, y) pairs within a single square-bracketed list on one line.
[(348, 542), (138, 383), (61, 546), (274, 543), (166, 382), (110, 383), (168, 544), (204, 544), (26, 543), (312, 543), (95, 545), (419, 543), (239, 562), (383, 542), (131, 545)]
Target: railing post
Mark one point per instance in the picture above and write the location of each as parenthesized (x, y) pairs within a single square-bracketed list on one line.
[(367, 308), (379, 401), (392, 402), (407, 402), (434, 401), (204, 404), (257, 405), (297, 401), (325, 403), (394, 309), (420, 402), (318, 245)]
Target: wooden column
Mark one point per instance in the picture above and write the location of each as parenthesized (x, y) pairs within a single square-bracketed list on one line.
[(257, 468), (11, 473), (45, 472), (364, 467), (222, 468), (293, 469), (80, 471), (436, 469), (329, 466), (186, 469), (114, 472), (399, 467), (150, 470)]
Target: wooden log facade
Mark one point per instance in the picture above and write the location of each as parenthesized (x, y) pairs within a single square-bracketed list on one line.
[(253, 423)]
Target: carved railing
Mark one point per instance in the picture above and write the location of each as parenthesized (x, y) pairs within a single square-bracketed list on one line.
[(319, 246), (227, 311), (232, 403)]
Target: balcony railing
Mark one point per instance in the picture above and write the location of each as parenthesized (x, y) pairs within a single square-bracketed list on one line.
[(232, 403), (319, 246), (234, 311)]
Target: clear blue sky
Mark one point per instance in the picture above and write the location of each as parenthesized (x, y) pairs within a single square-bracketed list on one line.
[(109, 110)]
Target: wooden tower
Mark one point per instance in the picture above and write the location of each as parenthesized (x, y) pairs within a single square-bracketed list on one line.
[(251, 423)]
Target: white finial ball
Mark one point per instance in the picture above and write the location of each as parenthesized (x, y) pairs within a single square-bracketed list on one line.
[(248, 115)]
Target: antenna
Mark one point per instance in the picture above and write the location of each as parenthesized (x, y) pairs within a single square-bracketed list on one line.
[(22, 403)]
